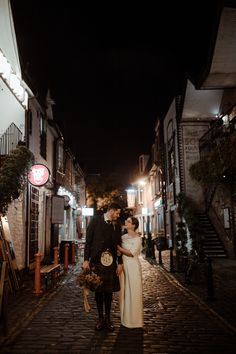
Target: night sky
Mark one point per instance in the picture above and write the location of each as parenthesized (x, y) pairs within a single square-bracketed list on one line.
[(112, 70)]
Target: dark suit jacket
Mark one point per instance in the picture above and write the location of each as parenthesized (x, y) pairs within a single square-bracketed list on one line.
[(95, 238)]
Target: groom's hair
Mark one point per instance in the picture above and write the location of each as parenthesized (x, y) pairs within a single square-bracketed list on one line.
[(114, 206)]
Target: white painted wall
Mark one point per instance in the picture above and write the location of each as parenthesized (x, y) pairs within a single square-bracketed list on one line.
[(11, 111)]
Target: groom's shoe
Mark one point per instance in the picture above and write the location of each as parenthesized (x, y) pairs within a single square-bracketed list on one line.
[(100, 325), (109, 325)]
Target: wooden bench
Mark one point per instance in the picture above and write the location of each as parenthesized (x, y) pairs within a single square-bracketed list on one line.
[(50, 272)]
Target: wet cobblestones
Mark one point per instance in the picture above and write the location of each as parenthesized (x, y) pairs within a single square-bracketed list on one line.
[(175, 321)]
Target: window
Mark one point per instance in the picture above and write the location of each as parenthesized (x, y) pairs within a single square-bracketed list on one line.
[(141, 164), (43, 136), (60, 165), (29, 121), (140, 196), (171, 162)]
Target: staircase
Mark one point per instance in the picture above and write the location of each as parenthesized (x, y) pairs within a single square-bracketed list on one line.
[(212, 245)]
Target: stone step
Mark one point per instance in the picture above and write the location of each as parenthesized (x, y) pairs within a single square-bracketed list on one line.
[(212, 246), (222, 255)]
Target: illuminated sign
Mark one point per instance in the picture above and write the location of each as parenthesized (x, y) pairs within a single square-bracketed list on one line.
[(38, 175), (87, 211)]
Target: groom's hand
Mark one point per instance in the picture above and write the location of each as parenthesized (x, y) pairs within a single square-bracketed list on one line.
[(119, 269), (86, 265)]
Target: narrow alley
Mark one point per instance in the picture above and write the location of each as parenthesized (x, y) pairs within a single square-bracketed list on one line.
[(174, 322)]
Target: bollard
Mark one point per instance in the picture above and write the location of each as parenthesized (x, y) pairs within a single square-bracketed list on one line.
[(37, 277), (66, 251), (56, 251), (186, 270), (171, 260), (149, 246), (210, 283), (153, 250), (160, 257), (73, 253)]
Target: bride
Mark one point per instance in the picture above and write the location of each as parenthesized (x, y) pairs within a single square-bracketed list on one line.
[(131, 294)]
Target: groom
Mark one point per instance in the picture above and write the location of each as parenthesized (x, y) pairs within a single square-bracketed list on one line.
[(103, 234)]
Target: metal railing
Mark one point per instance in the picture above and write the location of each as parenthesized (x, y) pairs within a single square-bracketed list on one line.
[(218, 132)]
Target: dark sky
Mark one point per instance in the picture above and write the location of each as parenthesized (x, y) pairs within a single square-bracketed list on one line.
[(112, 70)]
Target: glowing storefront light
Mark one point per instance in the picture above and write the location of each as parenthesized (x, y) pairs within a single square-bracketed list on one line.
[(64, 192), (13, 81)]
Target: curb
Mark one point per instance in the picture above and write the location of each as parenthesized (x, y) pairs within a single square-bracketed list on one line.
[(28, 317), (197, 300)]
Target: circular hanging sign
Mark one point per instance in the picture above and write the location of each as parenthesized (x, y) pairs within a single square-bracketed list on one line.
[(38, 175)]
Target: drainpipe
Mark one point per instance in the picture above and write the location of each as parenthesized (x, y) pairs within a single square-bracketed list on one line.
[(27, 196), (233, 221), (27, 227)]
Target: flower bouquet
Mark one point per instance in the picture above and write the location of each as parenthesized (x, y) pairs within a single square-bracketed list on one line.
[(89, 281)]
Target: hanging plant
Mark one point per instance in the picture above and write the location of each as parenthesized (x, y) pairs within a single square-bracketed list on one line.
[(181, 231), (181, 239), (187, 211), (13, 175), (219, 166)]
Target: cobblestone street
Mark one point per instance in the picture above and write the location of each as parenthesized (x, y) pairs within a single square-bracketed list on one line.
[(175, 322)]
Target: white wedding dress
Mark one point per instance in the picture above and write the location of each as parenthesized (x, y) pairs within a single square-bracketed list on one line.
[(131, 292)]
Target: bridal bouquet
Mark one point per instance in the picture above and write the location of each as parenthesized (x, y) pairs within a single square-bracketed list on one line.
[(89, 281)]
